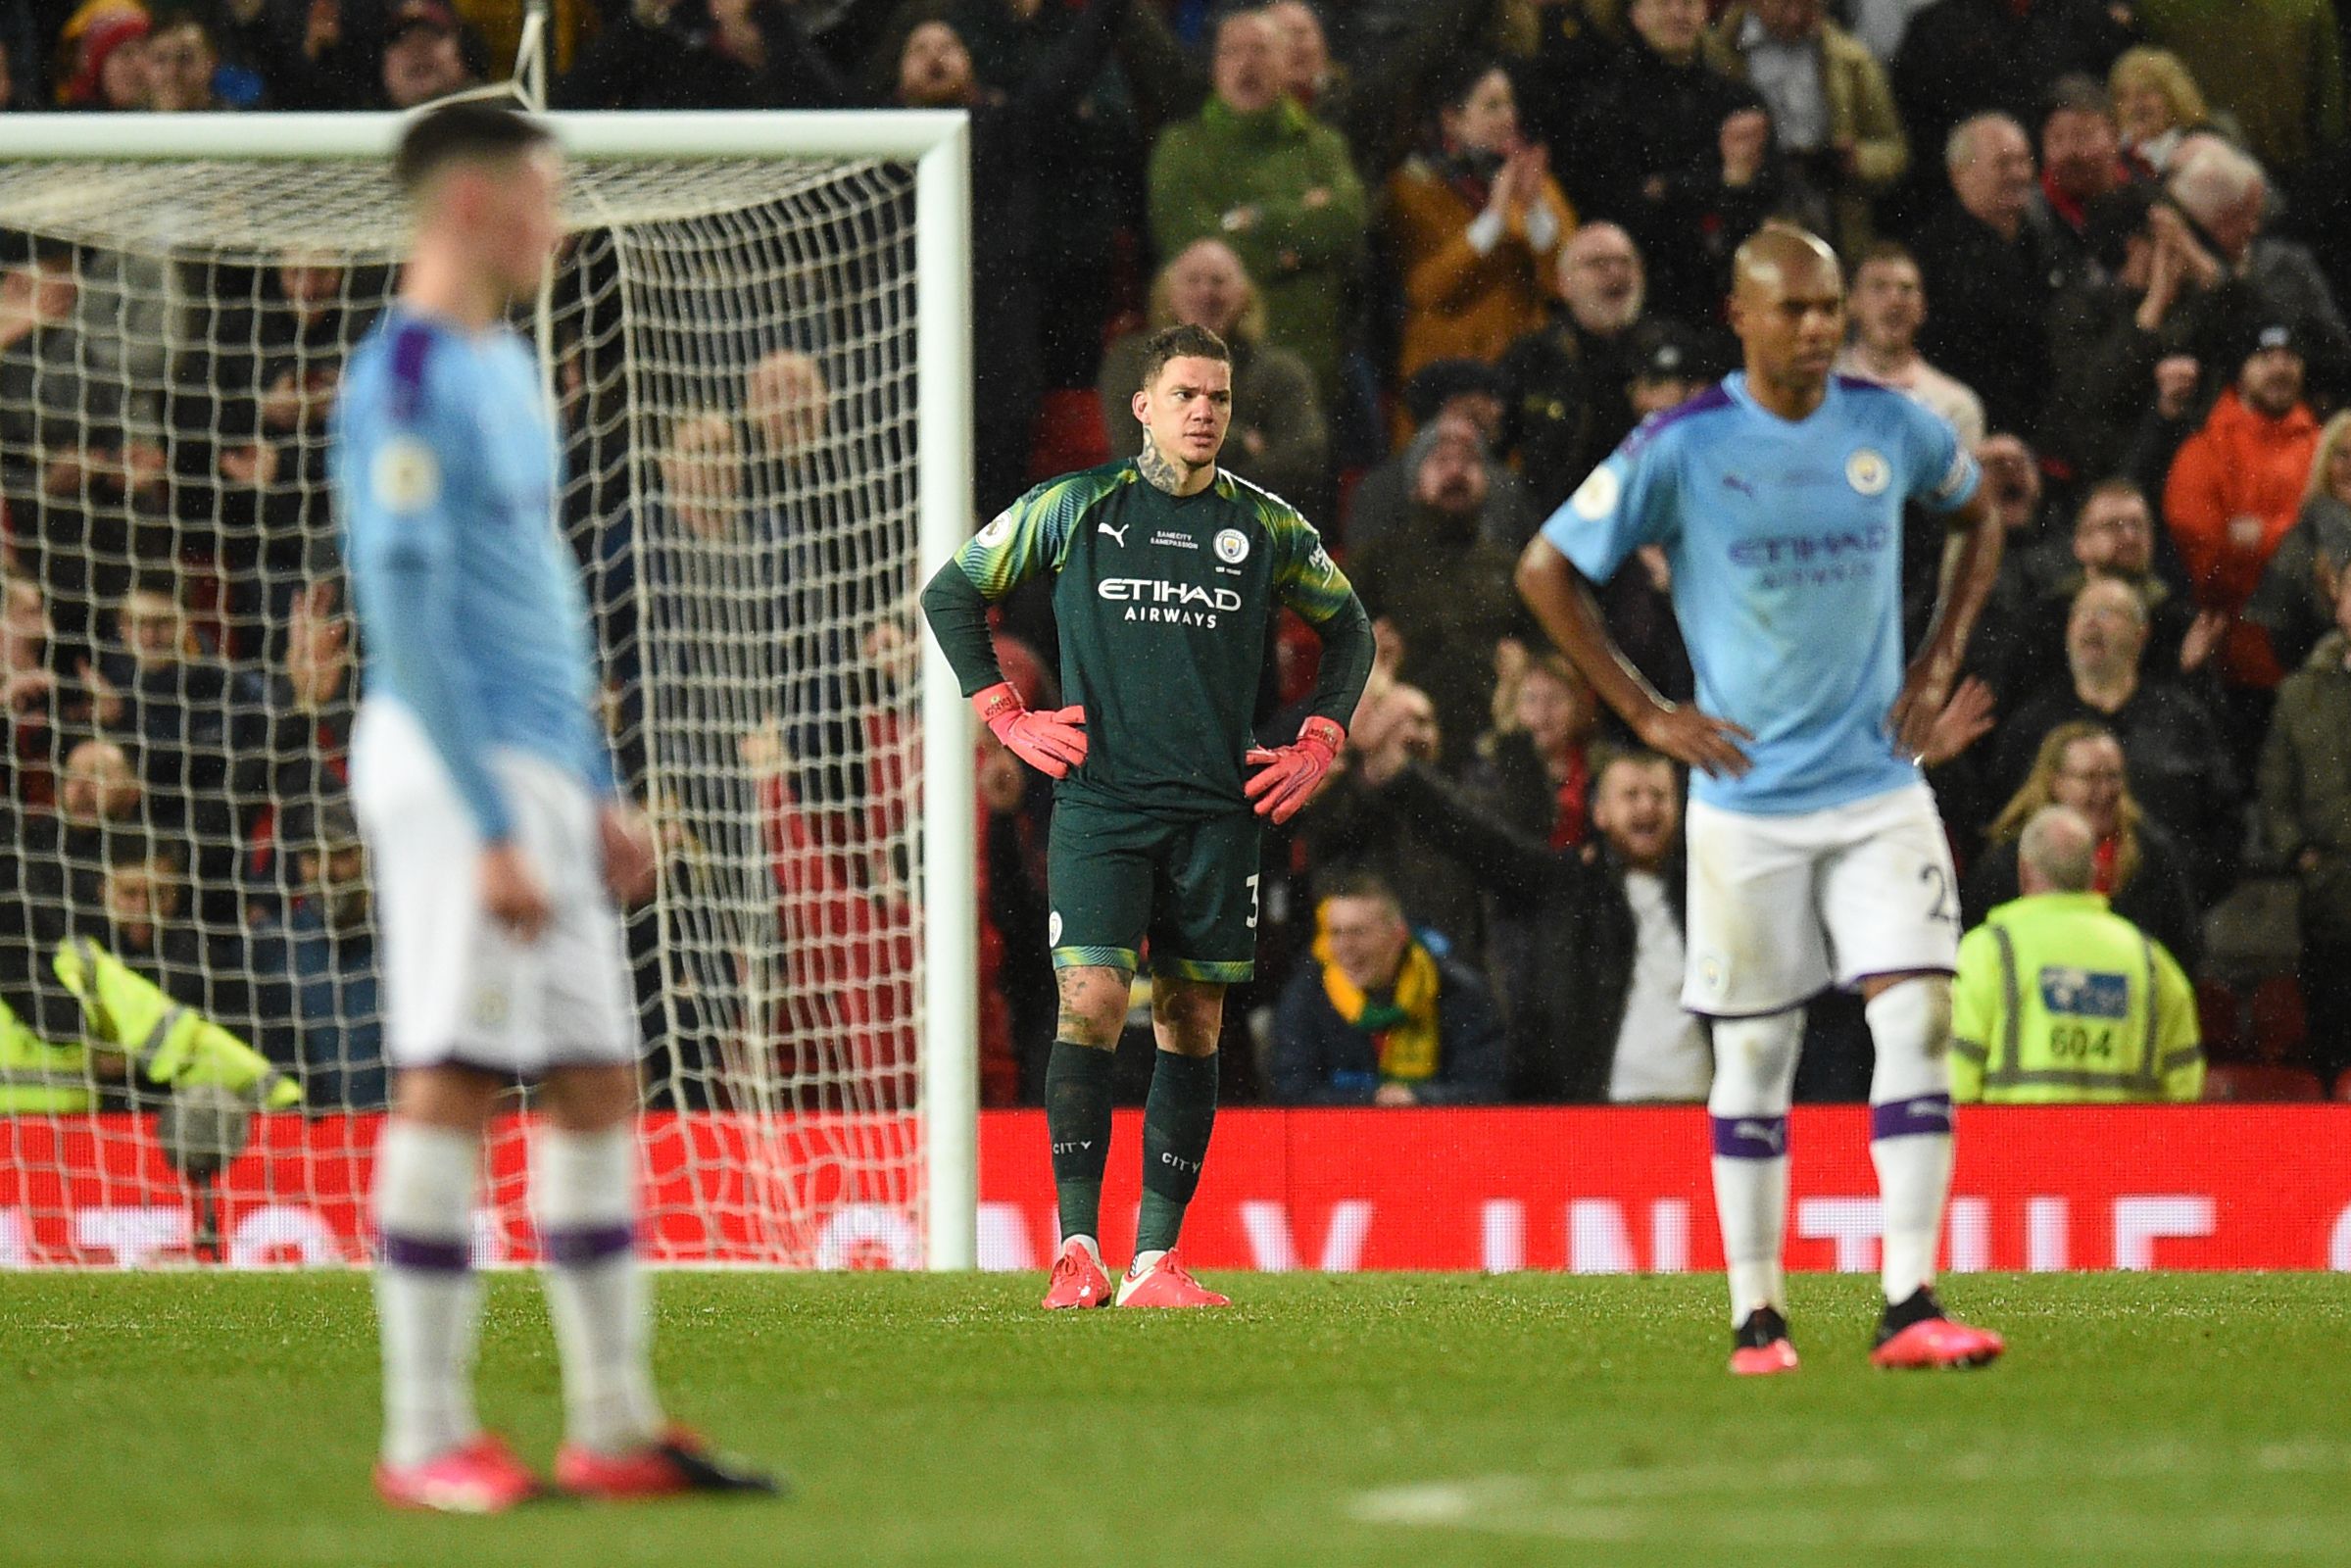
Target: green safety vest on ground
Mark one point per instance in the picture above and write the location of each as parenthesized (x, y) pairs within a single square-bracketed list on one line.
[(2061, 999), (125, 1011)]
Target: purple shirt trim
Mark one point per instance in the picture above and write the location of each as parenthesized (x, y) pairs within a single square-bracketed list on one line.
[(412, 343), (1656, 424)]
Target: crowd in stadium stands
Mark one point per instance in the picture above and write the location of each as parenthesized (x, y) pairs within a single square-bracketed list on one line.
[(1459, 248)]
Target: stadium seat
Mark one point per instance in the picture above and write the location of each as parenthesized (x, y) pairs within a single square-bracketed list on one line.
[(2342, 1085), (1071, 434), (2255, 1081), (2275, 1008), (2257, 1019), (2217, 1017), (845, 1037)]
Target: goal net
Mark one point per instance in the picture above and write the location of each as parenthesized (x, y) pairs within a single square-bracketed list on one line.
[(744, 357)]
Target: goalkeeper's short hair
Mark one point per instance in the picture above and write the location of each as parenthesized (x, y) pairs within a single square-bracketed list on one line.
[(463, 134), (1182, 341)]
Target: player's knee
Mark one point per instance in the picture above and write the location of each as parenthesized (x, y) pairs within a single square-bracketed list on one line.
[(1910, 1026), (1093, 1005), (1755, 1065), (590, 1099), (1912, 1014), (1187, 1015), (459, 1099), (1097, 1026), (1759, 1047)]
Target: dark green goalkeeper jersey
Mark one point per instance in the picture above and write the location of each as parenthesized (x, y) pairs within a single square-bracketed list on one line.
[(1164, 605)]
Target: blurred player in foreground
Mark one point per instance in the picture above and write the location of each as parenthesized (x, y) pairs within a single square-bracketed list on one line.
[(1816, 853), (500, 848), (1168, 573)]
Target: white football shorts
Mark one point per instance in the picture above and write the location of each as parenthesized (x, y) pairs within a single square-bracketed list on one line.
[(458, 989), (1781, 907)]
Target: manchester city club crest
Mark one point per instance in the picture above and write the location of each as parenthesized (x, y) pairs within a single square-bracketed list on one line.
[(1711, 974), (1232, 546), (1868, 472)]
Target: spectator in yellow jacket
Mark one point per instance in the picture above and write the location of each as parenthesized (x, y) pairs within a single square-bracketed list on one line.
[(2061, 999)]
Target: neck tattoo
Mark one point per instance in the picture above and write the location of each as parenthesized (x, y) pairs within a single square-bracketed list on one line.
[(1159, 469)]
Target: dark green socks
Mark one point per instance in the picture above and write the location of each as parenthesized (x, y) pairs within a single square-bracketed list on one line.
[(1077, 1116), (1177, 1119)]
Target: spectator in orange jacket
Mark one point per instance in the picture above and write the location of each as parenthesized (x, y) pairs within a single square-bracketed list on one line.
[(2235, 491), (1474, 220)]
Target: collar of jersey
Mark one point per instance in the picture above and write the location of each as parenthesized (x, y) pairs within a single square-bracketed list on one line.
[(1221, 485), (400, 313), (1736, 383)]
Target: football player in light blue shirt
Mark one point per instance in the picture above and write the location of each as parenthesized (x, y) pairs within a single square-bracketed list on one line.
[(1816, 856), (498, 846), (445, 466)]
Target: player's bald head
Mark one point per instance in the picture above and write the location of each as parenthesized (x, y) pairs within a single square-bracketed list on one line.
[(1779, 258), (1788, 306)]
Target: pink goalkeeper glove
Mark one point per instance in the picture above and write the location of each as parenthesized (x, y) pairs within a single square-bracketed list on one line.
[(1051, 743), (1289, 775)]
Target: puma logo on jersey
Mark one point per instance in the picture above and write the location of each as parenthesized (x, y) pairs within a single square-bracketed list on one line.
[(1118, 533), (1768, 1134)]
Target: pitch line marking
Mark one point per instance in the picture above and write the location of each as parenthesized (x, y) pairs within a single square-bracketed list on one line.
[(1632, 1505)]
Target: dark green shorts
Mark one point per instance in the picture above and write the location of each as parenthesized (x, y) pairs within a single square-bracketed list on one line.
[(1189, 884)]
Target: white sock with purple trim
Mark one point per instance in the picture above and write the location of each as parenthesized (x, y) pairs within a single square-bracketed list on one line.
[(427, 1300), (1910, 1127), (584, 1190), (1755, 1077)]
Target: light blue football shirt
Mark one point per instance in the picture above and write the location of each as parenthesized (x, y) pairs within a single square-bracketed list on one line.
[(1785, 541), (470, 607)]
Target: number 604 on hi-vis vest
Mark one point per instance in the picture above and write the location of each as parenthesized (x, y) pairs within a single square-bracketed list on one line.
[(2061, 999)]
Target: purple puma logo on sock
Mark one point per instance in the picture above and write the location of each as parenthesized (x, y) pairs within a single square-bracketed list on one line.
[(1750, 1137), (1910, 1118)]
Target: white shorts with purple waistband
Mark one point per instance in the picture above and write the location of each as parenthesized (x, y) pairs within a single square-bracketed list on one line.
[(458, 989), (1782, 907)]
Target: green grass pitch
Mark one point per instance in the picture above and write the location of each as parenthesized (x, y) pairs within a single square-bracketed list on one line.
[(157, 1420)]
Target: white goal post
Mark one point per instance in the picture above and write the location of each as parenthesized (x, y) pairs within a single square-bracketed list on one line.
[(632, 169)]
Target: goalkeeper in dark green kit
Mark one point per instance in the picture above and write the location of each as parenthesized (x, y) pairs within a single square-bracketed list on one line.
[(1167, 574)]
